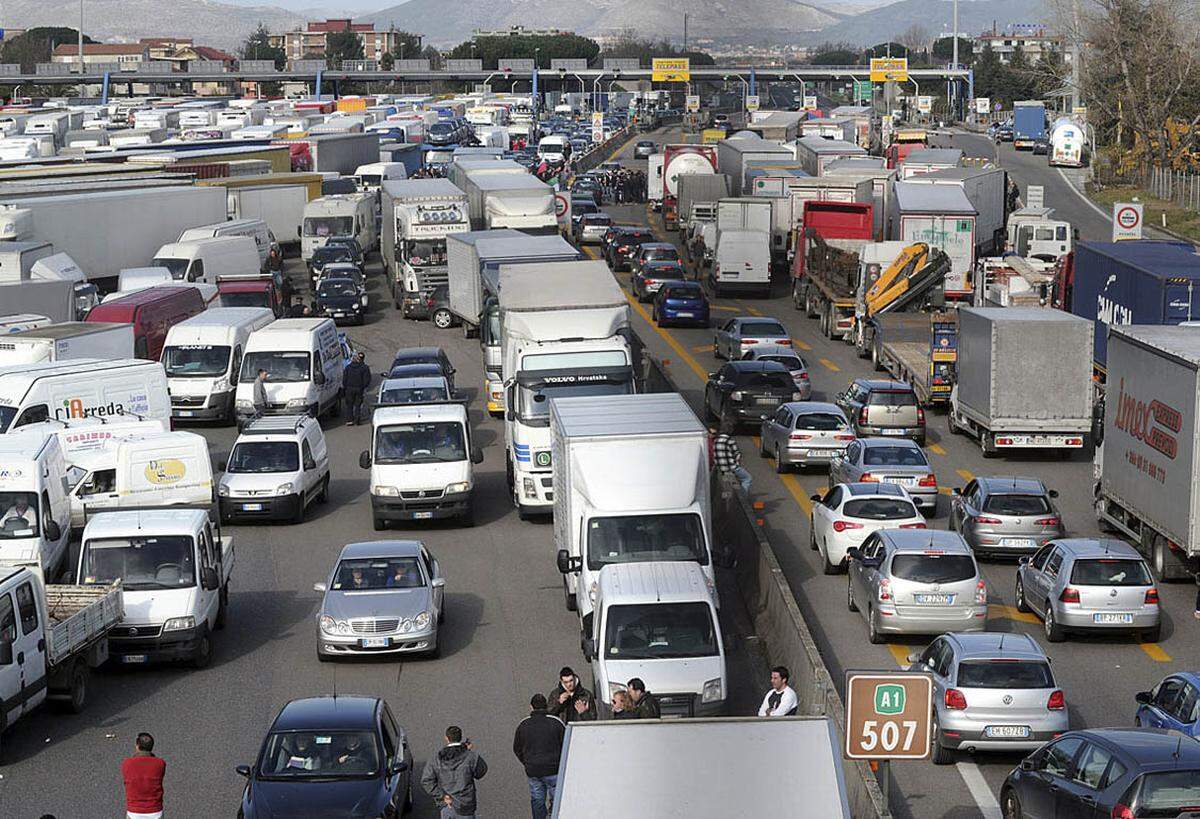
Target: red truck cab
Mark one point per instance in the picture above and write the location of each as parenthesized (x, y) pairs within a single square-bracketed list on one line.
[(251, 291), (832, 220)]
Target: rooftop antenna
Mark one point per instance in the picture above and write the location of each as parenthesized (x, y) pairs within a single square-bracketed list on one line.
[(1002, 641), (1178, 748)]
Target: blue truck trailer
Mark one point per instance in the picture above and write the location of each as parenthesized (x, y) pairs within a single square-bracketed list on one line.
[(1134, 282), (1029, 124)]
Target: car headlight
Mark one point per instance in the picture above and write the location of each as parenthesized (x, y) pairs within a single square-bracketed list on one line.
[(327, 624), (223, 490), (422, 620), (220, 385), (613, 688), (461, 486), (592, 589), (180, 624), (386, 491), (284, 489), (297, 403), (241, 404), (406, 625), (736, 395), (530, 489), (713, 691)]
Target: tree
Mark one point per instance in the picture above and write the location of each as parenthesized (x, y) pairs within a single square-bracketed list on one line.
[(915, 37), (542, 48), (835, 54), (342, 46), (629, 46), (36, 45), (258, 47), (892, 49), (408, 46), (434, 56), (943, 50)]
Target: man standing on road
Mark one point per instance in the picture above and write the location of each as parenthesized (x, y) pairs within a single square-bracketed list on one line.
[(450, 776), (143, 774), (259, 395), (570, 701), (728, 456), (781, 700), (356, 379), (538, 744), (645, 704)]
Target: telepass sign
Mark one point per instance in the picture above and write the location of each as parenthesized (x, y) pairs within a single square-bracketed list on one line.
[(888, 715)]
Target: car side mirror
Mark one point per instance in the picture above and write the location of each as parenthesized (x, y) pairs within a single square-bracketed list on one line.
[(244, 770), (957, 490), (6, 652), (476, 456), (815, 498), (209, 579), (320, 587), (383, 374), (1023, 560), (1028, 764), (914, 657), (438, 582), (1142, 697), (589, 648), (1053, 493), (53, 530), (364, 459), (398, 766), (319, 378)]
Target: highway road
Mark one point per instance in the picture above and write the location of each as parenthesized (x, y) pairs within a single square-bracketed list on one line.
[(507, 634), (1099, 676)]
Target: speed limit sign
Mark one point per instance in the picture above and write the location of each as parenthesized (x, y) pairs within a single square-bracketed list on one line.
[(889, 715)]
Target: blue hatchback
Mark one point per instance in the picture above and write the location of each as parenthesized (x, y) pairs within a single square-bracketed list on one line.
[(1173, 704), (680, 302)]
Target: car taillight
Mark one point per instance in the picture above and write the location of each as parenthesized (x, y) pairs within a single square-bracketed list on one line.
[(784, 342), (862, 416), (843, 437), (1069, 595), (913, 526), (867, 477), (1050, 521), (1151, 597), (803, 376), (885, 590), (798, 437), (1120, 811), (920, 416), (1057, 701), (928, 480), (980, 593), (988, 521), (749, 341), (843, 525), (955, 700)]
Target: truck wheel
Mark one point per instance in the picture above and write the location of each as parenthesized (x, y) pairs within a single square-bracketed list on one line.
[(570, 599), (79, 688), (952, 427), (203, 655), (222, 608), (875, 362), (986, 446), (1168, 567)]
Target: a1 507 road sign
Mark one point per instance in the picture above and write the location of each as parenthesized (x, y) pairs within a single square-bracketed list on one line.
[(889, 715)]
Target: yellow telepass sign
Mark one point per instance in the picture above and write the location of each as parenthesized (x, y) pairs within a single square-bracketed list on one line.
[(889, 69), (671, 69)]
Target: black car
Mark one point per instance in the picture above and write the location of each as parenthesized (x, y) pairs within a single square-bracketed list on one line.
[(330, 756), (624, 245), (1041, 146), (423, 355), (342, 299), (328, 254), (1125, 773), (1004, 133), (348, 242), (437, 307), (748, 391)]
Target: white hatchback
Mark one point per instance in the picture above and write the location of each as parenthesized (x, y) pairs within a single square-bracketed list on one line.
[(848, 512)]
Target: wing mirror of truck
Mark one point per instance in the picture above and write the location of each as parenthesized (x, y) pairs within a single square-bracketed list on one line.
[(6, 652), (364, 459), (53, 530), (566, 563), (244, 770), (476, 455), (589, 649), (209, 579)]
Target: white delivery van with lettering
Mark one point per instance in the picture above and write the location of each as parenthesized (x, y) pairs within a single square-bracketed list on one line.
[(35, 515), (83, 388)]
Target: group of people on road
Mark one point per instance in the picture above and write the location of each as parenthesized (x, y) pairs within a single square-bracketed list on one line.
[(622, 185)]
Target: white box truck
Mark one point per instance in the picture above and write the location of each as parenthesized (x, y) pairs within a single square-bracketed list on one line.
[(72, 339), (942, 217), (521, 202), (987, 191)]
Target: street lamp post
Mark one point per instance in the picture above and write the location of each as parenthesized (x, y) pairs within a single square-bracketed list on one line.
[(81, 38)]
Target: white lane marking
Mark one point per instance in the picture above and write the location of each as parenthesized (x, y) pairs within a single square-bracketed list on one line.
[(1106, 216), (980, 792)]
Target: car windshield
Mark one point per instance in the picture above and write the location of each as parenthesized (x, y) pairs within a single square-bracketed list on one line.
[(639, 538), (195, 360), (322, 226), (264, 456), (757, 379), (1004, 674), (176, 267), (319, 755), (20, 516), (820, 422), (933, 568), (281, 367), (879, 509), (762, 328), (425, 252), (335, 288), (365, 574), (892, 398), (412, 395), (1110, 572), (792, 362), (894, 456), (140, 563), (1169, 791), (1016, 505), (535, 401), (660, 631), (421, 443)]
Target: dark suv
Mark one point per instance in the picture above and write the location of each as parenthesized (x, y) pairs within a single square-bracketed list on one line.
[(624, 245), (748, 391), (883, 408), (330, 756)]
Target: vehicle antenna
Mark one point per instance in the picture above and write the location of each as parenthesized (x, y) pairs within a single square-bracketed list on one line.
[(1178, 747), (1002, 641)]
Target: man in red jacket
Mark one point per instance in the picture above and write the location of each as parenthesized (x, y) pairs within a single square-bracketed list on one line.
[(143, 775)]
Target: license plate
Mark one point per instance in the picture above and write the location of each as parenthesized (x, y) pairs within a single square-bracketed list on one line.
[(252, 507), (422, 515), (903, 481), (1017, 542), (933, 599), (686, 315), (891, 432), (134, 659), (1006, 731), (1112, 618), (184, 413), (376, 642)]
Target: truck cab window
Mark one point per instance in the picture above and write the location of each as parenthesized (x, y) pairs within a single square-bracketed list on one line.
[(8, 619), (27, 607), (33, 415)]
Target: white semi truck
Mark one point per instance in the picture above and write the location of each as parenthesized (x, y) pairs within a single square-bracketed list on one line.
[(350, 215), (418, 215)]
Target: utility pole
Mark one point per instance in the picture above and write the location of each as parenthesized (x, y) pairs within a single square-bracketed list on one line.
[(81, 38), (954, 61), (685, 31)]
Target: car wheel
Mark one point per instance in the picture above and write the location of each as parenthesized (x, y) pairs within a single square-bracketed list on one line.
[(1054, 632), (324, 496), (222, 608), (204, 651), (442, 318), (436, 651), (780, 467), (1019, 597), (826, 566), (1010, 805), (570, 599), (298, 515), (941, 755), (812, 536), (717, 349), (850, 604), (380, 524), (873, 634)]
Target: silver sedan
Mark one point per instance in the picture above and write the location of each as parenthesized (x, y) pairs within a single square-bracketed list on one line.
[(382, 597), (804, 433), (894, 460), (1005, 516), (740, 335), (788, 358)]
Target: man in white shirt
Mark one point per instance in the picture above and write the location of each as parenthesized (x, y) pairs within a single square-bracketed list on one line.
[(781, 700), (20, 512)]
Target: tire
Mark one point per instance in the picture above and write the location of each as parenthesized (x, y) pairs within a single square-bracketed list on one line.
[(298, 516), (987, 449), (940, 754), (780, 467), (1054, 632), (468, 517), (952, 427), (827, 567), (850, 604), (322, 657), (1152, 635), (1010, 805), (203, 656), (812, 536), (380, 524), (324, 496), (436, 651), (1022, 604), (442, 319), (873, 634), (222, 608), (717, 350), (407, 807), (571, 601), (79, 689)]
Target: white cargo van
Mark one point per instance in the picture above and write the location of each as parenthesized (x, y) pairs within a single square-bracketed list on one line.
[(66, 341), (203, 356), (554, 148), (421, 461), (278, 467), (204, 260), (256, 229), (83, 388), (303, 361), (742, 262), (35, 514), (656, 621), (350, 215), (371, 177), (174, 566), (140, 278)]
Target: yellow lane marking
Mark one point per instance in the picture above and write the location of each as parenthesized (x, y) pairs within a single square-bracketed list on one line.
[(703, 348), (1154, 652), (723, 308), (945, 490), (754, 311), (936, 449), (801, 345), (965, 474), (591, 253), (999, 611), (900, 654), (798, 493), (829, 365), (700, 372)]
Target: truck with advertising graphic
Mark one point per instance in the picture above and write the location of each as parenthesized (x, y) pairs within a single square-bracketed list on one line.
[(418, 215)]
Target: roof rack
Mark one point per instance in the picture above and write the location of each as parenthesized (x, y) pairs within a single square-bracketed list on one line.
[(274, 424)]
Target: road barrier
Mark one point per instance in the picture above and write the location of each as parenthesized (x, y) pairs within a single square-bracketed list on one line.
[(772, 609)]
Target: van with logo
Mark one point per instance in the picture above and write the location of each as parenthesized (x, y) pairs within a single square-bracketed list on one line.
[(203, 356), (152, 312), (122, 388), (35, 514), (303, 361)]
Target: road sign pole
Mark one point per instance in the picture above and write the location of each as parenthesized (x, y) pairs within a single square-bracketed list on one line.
[(884, 775)]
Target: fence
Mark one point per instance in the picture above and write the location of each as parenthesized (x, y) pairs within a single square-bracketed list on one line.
[(1180, 187)]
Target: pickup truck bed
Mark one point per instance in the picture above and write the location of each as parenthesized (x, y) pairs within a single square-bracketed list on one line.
[(79, 615)]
